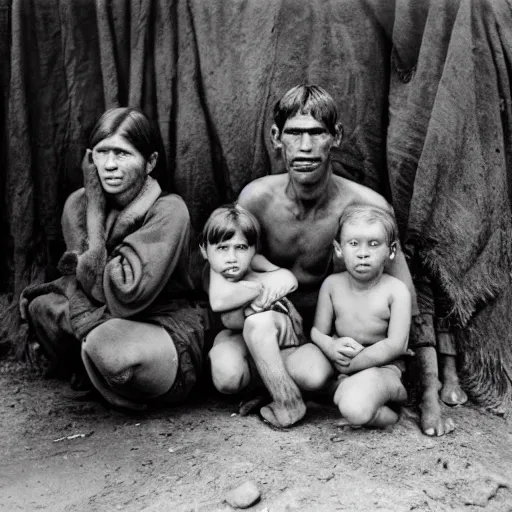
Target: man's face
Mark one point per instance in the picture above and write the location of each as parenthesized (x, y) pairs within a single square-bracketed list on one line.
[(364, 248), (231, 258), (305, 144), (121, 167)]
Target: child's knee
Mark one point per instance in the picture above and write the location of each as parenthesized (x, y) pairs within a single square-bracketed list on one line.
[(355, 412), (229, 375)]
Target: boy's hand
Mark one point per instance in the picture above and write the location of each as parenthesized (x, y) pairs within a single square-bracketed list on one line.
[(276, 285), (343, 350)]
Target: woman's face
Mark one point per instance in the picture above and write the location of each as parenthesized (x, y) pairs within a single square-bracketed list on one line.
[(121, 167)]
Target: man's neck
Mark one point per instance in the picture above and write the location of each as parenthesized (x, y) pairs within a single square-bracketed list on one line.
[(308, 200)]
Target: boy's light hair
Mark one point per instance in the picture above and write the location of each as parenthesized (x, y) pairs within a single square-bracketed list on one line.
[(371, 214), (226, 220), (307, 99)]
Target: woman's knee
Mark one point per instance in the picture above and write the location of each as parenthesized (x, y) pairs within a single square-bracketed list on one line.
[(101, 346)]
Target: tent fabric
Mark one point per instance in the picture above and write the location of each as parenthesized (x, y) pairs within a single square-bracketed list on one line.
[(423, 90)]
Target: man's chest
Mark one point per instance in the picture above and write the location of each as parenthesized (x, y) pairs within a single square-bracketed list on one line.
[(290, 239)]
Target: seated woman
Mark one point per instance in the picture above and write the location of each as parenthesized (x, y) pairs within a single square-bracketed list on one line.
[(124, 302)]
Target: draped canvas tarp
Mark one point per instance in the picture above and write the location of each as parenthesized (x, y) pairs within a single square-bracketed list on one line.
[(423, 92)]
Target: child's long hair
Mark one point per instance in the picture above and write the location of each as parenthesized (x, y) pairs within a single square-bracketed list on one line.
[(371, 214), (225, 221)]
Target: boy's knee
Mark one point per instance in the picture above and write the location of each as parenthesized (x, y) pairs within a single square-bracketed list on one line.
[(354, 411), (228, 376)]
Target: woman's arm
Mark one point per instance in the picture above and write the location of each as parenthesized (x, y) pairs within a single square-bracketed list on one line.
[(144, 261)]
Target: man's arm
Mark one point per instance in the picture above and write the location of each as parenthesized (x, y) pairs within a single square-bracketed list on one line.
[(226, 295), (398, 268), (395, 345)]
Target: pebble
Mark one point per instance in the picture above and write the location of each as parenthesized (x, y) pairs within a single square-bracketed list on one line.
[(244, 495)]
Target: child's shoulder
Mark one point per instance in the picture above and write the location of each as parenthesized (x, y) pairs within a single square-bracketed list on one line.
[(335, 280), (395, 286)]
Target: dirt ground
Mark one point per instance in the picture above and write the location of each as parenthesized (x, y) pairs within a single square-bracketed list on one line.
[(186, 459)]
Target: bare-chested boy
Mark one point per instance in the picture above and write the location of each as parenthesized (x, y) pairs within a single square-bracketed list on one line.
[(371, 315), (237, 290)]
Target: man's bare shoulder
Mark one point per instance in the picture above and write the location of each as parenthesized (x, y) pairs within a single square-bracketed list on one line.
[(352, 192), (262, 191)]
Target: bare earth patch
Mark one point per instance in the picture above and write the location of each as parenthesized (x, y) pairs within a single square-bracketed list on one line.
[(62, 451)]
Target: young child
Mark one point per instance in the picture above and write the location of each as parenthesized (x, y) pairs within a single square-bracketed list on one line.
[(237, 290), (371, 315)]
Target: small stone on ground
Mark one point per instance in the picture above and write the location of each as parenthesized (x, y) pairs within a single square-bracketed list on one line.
[(244, 495)]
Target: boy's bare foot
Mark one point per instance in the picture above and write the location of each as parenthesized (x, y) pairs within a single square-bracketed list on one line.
[(432, 421), (452, 393), (284, 415)]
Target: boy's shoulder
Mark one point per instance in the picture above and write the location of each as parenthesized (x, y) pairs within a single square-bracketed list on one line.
[(395, 285), (335, 280)]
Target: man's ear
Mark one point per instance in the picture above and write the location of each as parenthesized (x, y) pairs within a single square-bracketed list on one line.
[(337, 249), (151, 163), (275, 137), (392, 250), (338, 134), (203, 251)]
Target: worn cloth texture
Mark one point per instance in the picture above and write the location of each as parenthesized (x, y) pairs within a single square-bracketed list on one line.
[(423, 90), (150, 237)]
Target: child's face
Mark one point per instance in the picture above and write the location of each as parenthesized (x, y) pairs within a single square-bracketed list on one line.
[(231, 258), (364, 248)]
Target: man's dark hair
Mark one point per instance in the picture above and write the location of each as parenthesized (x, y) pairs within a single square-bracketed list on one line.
[(307, 99)]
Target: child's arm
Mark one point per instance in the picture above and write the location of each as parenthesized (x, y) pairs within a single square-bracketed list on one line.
[(395, 345), (338, 350), (225, 295), (277, 282)]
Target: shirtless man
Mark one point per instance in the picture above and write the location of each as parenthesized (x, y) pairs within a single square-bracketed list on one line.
[(299, 214)]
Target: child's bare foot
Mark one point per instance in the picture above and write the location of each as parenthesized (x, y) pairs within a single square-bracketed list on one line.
[(432, 421), (284, 415), (453, 394)]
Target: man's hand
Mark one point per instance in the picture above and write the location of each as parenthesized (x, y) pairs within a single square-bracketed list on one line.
[(342, 351), (275, 286)]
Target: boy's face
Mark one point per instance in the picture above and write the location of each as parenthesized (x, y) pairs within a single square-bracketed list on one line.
[(364, 249), (231, 258)]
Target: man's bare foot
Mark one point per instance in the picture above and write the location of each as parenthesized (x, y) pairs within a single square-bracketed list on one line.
[(432, 421), (453, 394), (249, 405), (283, 415)]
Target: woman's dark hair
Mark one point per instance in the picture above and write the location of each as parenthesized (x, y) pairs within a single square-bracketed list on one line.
[(307, 99), (138, 130)]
